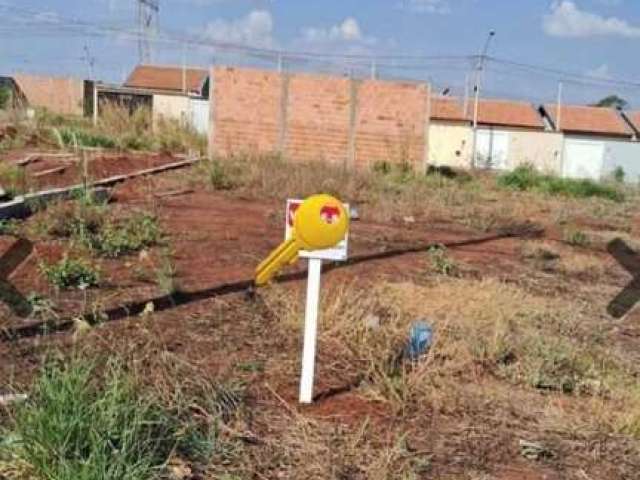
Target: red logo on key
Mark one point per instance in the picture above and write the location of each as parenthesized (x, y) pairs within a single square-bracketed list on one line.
[(330, 214)]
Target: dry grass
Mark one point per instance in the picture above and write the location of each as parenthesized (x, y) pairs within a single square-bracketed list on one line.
[(498, 332), (117, 128), (474, 201)]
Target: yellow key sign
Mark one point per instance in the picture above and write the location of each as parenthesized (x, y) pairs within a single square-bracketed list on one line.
[(320, 222)]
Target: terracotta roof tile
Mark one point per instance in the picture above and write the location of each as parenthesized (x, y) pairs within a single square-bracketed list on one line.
[(595, 120), (166, 78), (447, 108), (508, 113)]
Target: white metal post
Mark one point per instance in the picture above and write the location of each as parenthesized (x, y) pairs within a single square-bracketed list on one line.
[(310, 330)]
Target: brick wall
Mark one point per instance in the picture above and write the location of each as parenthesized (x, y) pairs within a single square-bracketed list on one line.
[(245, 110), (308, 117), (390, 123), (59, 95), (317, 119)]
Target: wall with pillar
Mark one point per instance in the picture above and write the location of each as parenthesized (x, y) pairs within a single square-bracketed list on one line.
[(305, 117)]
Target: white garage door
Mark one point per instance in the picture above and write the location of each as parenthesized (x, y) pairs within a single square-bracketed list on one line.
[(492, 149), (583, 159)]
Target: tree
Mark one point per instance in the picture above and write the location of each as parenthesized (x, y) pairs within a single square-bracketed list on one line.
[(612, 101)]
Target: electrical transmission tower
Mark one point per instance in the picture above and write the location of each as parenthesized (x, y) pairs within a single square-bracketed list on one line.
[(148, 11)]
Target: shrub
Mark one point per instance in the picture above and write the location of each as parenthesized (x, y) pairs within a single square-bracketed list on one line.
[(618, 174), (527, 178), (81, 424), (70, 273)]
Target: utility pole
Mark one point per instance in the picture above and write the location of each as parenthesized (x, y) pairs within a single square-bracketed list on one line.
[(479, 71), (148, 12), (90, 61), (559, 107)]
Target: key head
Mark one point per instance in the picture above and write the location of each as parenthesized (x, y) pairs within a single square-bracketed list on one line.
[(320, 222)]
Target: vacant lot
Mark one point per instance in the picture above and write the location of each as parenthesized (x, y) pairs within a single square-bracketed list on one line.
[(146, 353)]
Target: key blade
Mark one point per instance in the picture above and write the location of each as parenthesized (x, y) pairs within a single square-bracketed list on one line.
[(274, 254), (280, 257)]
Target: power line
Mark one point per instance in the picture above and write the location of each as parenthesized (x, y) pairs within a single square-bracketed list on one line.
[(25, 20)]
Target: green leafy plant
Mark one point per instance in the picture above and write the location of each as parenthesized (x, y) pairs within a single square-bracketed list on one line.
[(130, 235), (71, 273)]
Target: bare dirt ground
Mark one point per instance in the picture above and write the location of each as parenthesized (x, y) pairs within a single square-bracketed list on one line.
[(471, 425)]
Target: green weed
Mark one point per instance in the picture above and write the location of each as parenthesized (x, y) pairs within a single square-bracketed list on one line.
[(441, 262), (129, 235), (71, 273)]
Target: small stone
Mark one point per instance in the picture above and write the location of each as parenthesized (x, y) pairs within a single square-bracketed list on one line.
[(372, 322), (149, 308)]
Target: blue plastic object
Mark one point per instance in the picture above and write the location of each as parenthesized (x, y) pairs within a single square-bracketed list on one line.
[(420, 340)]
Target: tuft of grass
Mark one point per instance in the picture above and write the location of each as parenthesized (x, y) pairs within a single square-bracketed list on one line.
[(70, 273), (81, 423), (577, 238), (218, 174), (166, 274), (527, 178), (72, 137)]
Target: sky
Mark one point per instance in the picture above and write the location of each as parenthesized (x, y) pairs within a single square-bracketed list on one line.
[(593, 39)]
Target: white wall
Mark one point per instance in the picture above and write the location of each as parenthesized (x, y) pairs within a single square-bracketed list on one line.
[(450, 144), (171, 107), (539, 148), (600, 156)]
